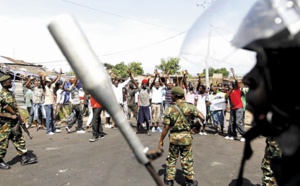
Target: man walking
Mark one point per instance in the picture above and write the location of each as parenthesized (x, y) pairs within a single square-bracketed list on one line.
[(76, 107)]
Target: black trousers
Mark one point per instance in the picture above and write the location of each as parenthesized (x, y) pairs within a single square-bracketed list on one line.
[(96, 123)]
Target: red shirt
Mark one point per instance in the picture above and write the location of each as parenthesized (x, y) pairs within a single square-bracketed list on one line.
[(236, 98), (94, 103)]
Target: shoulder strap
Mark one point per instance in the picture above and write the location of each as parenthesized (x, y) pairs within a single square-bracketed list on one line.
[(179, 110)]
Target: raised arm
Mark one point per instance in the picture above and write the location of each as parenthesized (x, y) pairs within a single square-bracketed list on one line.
[(152, 83), (183, 81), (132, 79), (159, 79), (76, 81), (42, 80), (28, 81), (167, 77), (199, 82), (234, 76), (125, 82), (57, 77)]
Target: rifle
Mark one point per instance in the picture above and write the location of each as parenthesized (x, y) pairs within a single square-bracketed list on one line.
[(20, 121)]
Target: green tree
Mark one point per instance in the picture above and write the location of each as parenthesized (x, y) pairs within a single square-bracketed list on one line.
[(108, 66), (70, 73), (222, 71), (171, 64), (121, 70), (212, 71), (136, 68)]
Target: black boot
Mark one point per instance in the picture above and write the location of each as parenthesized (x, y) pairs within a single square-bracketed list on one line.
[(4, 165), (25, 160), (169, 182), (191, 183)]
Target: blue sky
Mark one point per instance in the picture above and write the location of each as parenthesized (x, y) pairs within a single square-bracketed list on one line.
[(119, 30)]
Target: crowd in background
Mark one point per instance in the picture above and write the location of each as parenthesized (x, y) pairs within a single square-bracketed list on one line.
[(58, 102)]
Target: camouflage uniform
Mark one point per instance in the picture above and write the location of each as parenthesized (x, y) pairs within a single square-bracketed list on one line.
[(7, 124), (180, 139), (272, 151)]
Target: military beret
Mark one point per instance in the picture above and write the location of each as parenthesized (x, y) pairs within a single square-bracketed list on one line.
[(178, 91), (4, 78)]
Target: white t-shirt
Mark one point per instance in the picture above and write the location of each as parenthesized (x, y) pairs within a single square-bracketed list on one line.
[(49, 95), (118, 91), (60, 96), (201, 103), (217, 101), (190, 97), (157, 94), (74, 95)]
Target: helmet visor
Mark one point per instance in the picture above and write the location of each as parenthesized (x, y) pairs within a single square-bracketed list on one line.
[(217, 37)]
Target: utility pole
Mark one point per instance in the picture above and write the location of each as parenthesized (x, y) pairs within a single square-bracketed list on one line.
[(206, 63)]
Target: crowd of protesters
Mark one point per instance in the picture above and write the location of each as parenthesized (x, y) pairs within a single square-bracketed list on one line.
[(57, 102), (180, 109)]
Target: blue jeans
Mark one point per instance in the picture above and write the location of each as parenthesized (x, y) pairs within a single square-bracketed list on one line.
[(236, 122), (76, 109), (50, 126), (30, 115), (218, 117), (37, 109)]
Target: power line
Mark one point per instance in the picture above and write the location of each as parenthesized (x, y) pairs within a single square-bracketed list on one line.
[(142, 47), (123, 51), (113, 14)]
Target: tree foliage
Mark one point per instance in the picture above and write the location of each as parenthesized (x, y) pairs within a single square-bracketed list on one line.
[(136, 68), (121, 69), (70, 73), (108, 66), (212, 71), (171, 65)]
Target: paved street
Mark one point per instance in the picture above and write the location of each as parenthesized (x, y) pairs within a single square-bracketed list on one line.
[(70, 159)]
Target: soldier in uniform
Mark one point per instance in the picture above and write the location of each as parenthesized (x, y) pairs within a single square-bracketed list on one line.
[(272, 152), (7, 123), (180, 137)]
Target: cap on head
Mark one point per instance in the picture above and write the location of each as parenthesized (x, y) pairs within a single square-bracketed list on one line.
[(178, 91), (4, 78), (145, 81)]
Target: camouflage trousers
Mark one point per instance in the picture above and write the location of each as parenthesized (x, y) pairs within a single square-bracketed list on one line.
[(186, 159), (271, 151), (17, 140)]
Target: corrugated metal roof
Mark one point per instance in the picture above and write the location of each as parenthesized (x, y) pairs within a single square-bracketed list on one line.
[(4, 60)]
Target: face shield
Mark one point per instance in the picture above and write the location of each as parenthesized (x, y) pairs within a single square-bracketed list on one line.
[(265, 20), (216, 39)]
